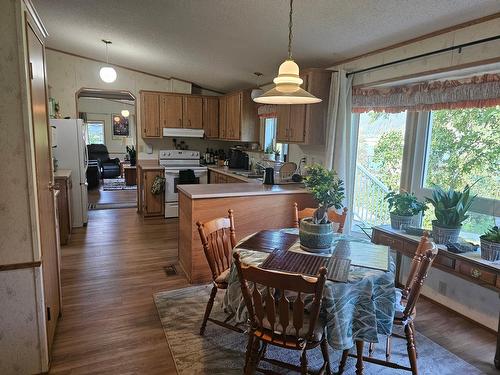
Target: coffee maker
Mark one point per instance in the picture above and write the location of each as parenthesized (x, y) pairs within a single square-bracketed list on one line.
[(238, 159)]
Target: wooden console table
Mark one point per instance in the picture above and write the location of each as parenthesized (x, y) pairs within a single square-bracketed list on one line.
[(469, 266)]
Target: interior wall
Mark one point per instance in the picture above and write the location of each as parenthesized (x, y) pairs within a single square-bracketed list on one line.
[(22, 327), (67, 74), (103, 110)]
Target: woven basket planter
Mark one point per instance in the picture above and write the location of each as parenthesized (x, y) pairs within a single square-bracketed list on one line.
[(442, 235), (398, 221), (490, 250)]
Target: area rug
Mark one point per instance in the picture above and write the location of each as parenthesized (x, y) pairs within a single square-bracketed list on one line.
[(110, 184), (221, 351)]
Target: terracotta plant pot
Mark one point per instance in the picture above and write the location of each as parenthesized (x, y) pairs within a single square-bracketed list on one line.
[(398, 221), (490, 250), (443, 235), (315, 237)]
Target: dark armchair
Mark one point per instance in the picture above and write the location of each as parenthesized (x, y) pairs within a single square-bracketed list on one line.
[(109, 168)]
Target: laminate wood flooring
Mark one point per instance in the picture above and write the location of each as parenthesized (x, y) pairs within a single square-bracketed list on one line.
[(110, 271)]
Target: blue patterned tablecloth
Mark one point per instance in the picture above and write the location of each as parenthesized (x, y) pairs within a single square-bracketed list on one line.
[(360, 309)]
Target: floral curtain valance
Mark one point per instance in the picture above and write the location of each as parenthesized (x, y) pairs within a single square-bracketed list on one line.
[(267, 111), (477, 91)]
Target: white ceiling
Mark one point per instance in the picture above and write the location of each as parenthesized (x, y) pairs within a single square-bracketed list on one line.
[(218, 44)]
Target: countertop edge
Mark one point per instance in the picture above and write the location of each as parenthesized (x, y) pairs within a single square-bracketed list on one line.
[(240, 194)]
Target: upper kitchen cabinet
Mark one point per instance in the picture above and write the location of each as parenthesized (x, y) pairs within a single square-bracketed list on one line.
[(150, 115), (238, 118), (171, 111), (211, 117), (192, 112), (306, 123)]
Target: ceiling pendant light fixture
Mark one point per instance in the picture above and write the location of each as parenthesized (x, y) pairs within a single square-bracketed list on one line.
[(125, 113), (107, 73), (288, 81)]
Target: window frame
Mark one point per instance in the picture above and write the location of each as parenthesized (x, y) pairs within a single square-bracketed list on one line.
[(100, 122)]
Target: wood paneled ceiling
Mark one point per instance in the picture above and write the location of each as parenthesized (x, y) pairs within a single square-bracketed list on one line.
[(218, 44)]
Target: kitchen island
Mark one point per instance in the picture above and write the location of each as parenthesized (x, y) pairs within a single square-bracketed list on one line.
[(256, 207)]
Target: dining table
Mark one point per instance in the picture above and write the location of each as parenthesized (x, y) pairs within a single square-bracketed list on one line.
[(359, 308)]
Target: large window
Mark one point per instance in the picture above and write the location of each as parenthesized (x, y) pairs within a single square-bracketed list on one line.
[(463, 147), (378, 164), (270, 143), (95, 132)]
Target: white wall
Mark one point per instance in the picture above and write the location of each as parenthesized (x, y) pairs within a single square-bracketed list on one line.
[(103, 110), (67, 74)]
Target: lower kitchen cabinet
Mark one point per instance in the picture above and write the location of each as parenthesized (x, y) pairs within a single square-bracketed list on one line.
[(149, 204), (62, 179)]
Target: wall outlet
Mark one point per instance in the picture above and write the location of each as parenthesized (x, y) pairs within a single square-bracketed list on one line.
[(148, 149), (442, 288)]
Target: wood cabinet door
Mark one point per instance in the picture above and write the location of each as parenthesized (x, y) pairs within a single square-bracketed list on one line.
[(223, 117), (297, 123), (171, 111), (193, 112), (234, 116), (150, 115), (44, 183), (211, 117), (282, 123), (154, 205)]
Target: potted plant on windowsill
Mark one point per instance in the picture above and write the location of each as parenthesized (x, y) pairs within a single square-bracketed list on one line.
[(450, 208), (132, 155), (490, 244), (404, 209), (316, 232)]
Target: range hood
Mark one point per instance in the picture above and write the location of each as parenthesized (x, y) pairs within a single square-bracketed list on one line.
[(181, 132)]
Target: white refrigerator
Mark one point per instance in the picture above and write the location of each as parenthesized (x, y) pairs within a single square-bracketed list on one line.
[(71, 153)]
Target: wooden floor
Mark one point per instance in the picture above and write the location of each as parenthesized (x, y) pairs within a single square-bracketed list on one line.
[(99, 196), (110, 325)]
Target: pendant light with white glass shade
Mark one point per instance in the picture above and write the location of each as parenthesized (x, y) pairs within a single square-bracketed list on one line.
[(107, 73), (125, 113), (288, 81)]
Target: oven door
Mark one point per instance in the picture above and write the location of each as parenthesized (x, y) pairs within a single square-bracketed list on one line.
[(171, 193)]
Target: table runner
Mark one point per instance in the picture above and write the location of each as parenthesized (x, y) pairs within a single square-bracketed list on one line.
[(361, 309)]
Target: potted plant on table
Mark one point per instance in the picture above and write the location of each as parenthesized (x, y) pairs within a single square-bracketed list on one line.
[(450, 208), (490, 244), (316, 232), (404, 209), (132, 155)]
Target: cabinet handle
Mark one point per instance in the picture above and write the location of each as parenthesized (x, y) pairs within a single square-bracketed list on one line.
[(475, 273), (180, 123), (189, 123)]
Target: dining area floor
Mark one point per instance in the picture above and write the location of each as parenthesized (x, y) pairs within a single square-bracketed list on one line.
[(110, 325)]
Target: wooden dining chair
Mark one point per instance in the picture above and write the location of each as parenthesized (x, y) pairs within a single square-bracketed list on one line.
[(218, 238), (275, 304), (333, 216), (403, 319), (423, 245)]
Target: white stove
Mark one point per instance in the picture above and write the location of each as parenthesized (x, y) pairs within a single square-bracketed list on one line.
[(174, 162)]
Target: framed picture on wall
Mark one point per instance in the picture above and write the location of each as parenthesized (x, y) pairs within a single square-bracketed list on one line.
[(120, 126)]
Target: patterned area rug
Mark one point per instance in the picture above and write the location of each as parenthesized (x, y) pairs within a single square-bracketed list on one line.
[(222, 351), (116, 184)]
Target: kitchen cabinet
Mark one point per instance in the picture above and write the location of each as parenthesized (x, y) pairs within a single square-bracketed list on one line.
[(150, 115), (238, 120), (306, 123), (171, 111), (192, 112), (215, 177), (62, 179), (148, 204), (211, 117)]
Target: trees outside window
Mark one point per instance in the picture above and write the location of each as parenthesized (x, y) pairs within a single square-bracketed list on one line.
[(95, 132)]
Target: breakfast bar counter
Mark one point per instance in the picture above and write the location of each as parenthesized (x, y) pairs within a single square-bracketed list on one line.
[(256, 207)]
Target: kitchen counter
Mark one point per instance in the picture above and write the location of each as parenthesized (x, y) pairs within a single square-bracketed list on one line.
[(149, 165), (238, 190), (231, 173), (62, 173)]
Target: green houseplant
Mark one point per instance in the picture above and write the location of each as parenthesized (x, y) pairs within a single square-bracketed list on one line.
[(450, 208), (404, 209), (316, 232), (490, 244), (132, 155)]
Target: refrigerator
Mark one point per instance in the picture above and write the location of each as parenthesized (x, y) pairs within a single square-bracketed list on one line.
[(71, 153)]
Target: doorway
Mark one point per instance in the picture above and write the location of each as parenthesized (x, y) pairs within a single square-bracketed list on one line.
[(111, 137)]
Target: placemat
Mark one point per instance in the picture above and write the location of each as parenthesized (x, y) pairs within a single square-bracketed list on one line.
[(269, 240), (366, 255), (305, 264)]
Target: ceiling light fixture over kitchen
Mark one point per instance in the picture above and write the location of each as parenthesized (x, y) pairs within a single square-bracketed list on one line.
[(288, 81), (107, 73), (125, 113)]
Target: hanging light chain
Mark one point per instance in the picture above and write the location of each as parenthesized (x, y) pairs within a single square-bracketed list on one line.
[(290, 34), (106, 42)]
